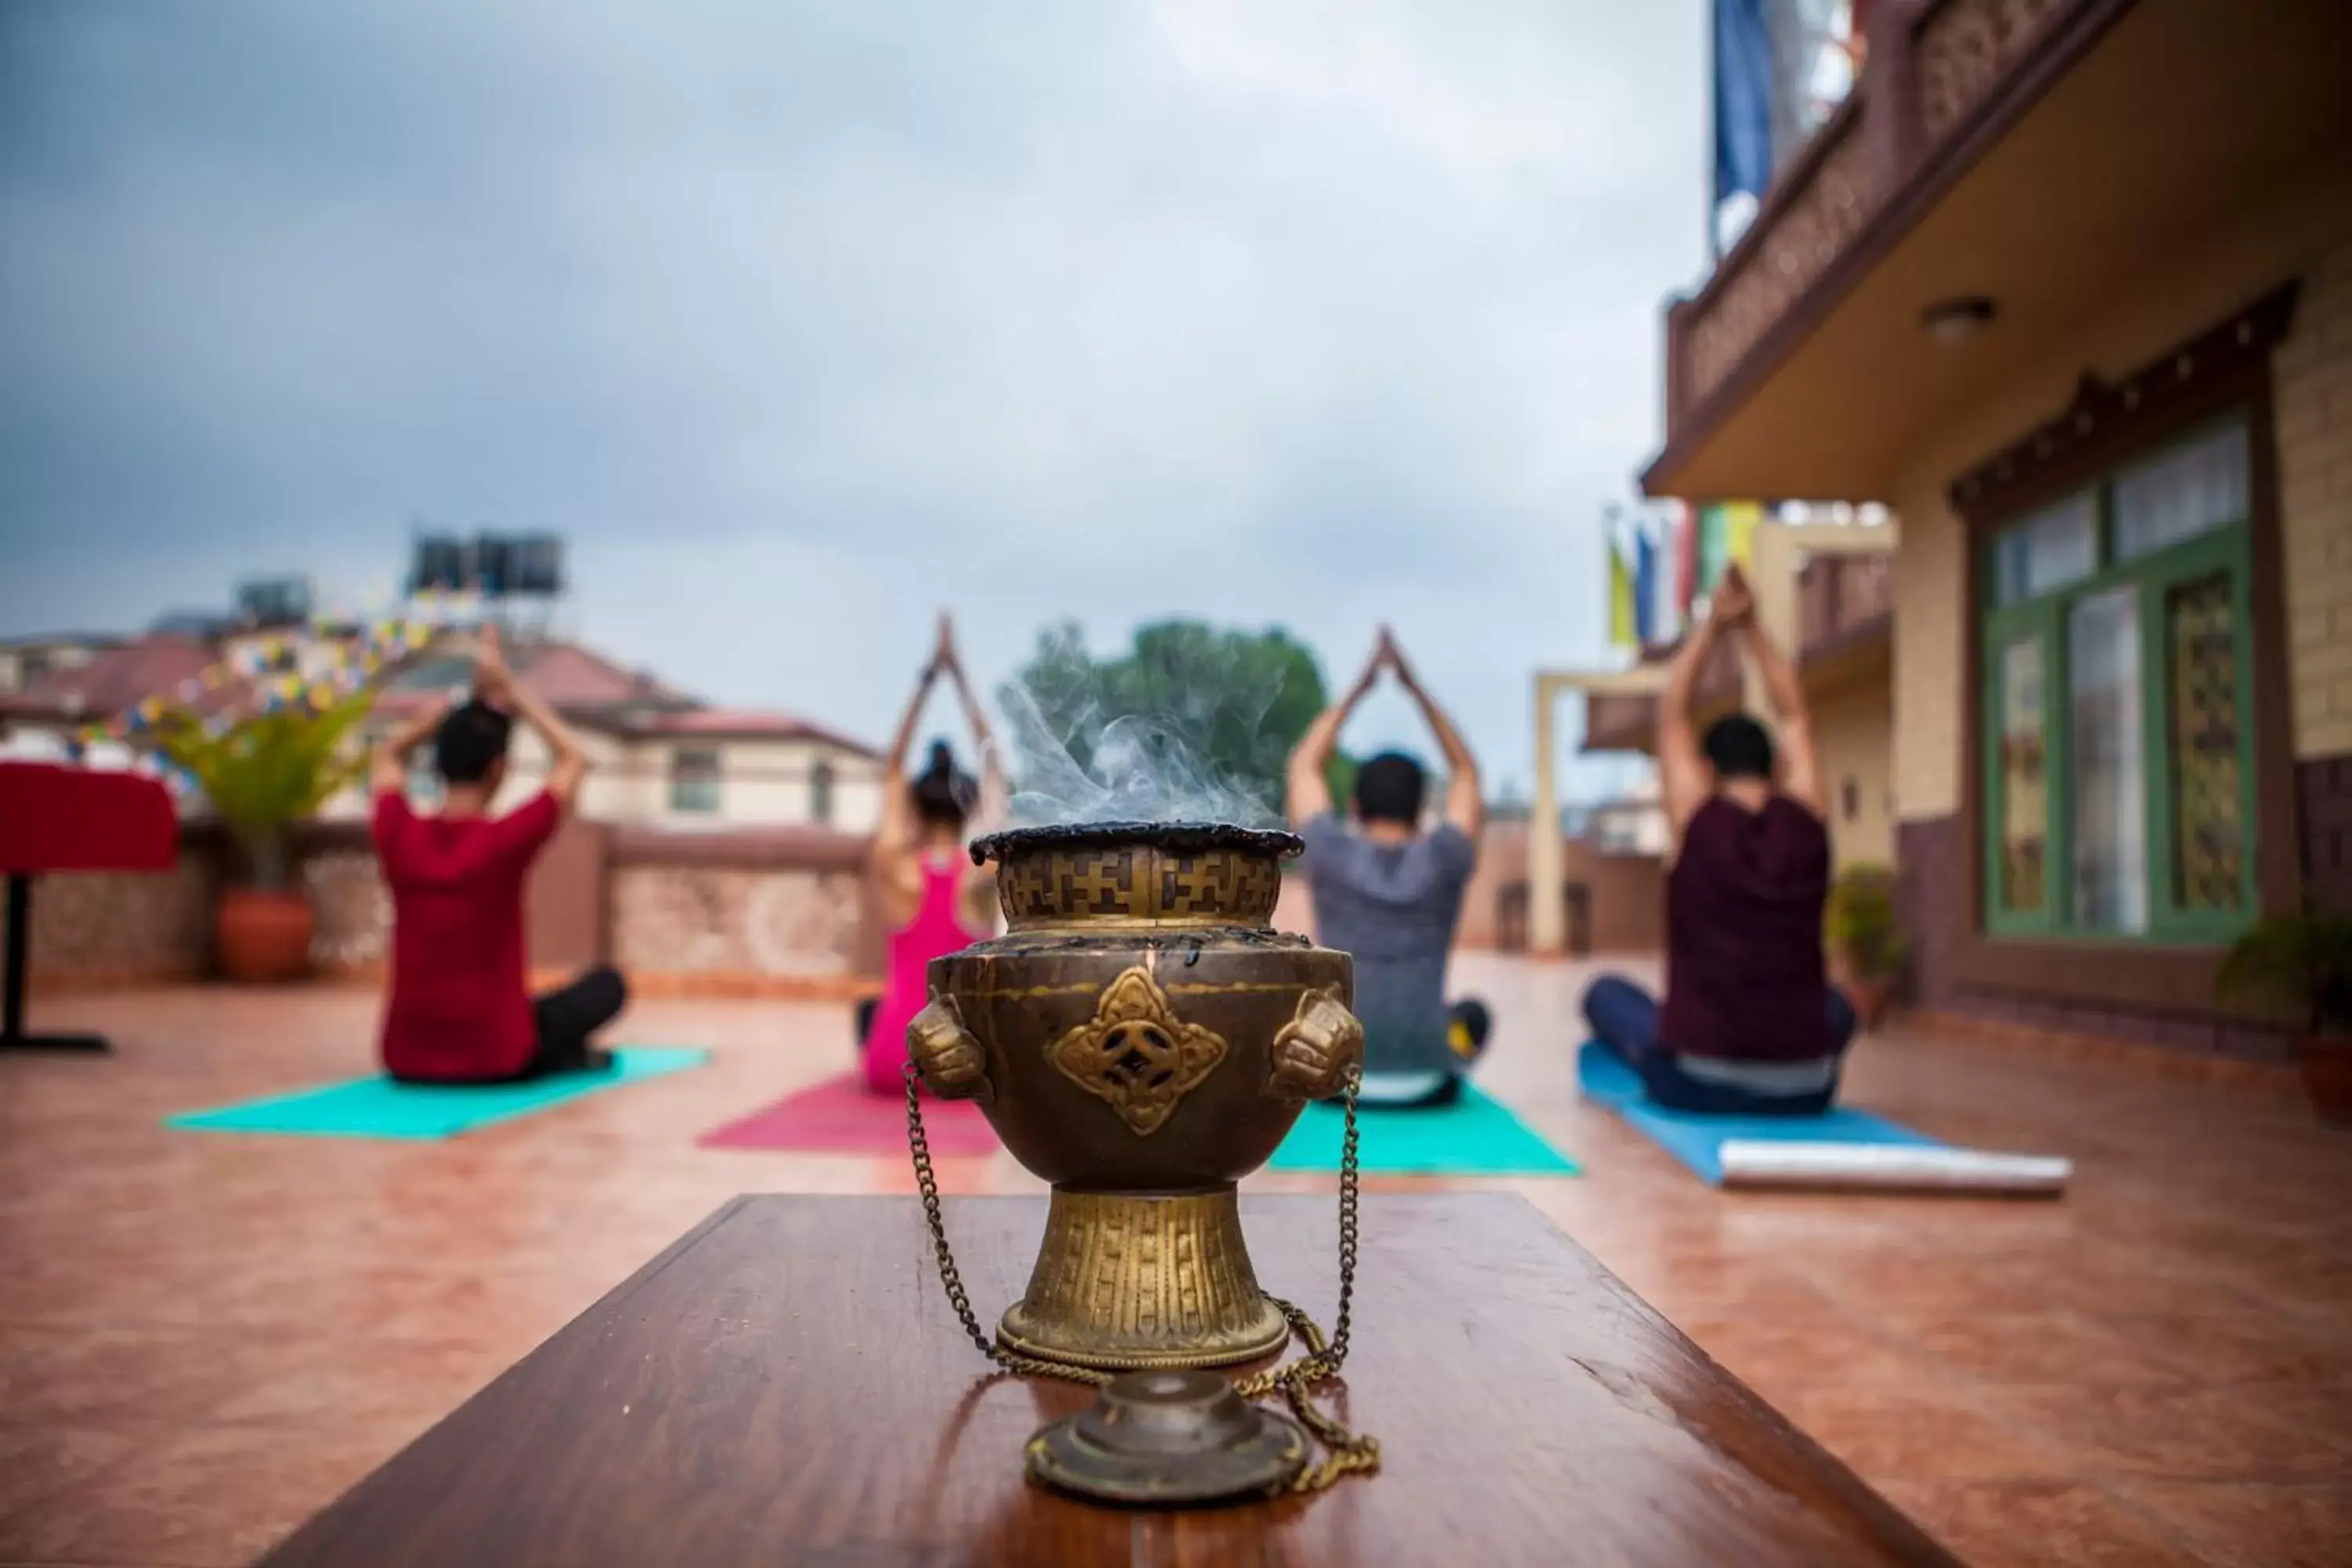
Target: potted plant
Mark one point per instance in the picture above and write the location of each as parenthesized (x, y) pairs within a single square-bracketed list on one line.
[(2300, 967), (1865, 943), (262, 775)]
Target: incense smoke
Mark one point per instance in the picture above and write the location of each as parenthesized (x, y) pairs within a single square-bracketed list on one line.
[(1071, 762)]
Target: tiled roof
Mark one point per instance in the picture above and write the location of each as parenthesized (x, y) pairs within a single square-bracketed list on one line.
[(571, 676), (583, 684), (38, 640), (117, 679)]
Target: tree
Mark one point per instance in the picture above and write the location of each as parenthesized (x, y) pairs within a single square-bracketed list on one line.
[(1191, 721)]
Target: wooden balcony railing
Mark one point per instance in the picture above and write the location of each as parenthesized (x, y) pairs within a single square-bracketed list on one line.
[(1839, 597), (1933, 70), (1613, 721)]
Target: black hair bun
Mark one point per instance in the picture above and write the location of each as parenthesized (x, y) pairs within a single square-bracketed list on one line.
[(944, 792)]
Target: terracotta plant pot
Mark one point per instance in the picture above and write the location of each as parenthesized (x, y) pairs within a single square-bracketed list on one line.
[(2327, 1075), (263, 934)]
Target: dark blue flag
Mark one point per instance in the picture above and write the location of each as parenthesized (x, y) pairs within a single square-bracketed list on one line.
[(1743, 99), (1646, 585)]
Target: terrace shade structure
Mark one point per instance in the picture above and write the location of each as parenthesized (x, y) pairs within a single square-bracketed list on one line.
[(1547, 853), (2068, 285)]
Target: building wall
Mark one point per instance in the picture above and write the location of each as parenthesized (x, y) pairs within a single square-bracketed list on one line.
[(745, 911), (623, 783), (761, 783), (1931, 858), (2312, 410), (1502, 861), (775, 923), (100, 928), (1625, 895), (2304, 229), (1854, 736), (97, 929)]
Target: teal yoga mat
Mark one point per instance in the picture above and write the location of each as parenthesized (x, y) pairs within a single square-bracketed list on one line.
[(378, 1108), (1475, 1136)]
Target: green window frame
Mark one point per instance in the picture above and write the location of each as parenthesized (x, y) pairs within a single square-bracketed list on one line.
[(2025, 642)]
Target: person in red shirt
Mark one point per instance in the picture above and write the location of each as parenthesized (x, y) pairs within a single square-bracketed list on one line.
[(458, 1009), (1752, 1024)]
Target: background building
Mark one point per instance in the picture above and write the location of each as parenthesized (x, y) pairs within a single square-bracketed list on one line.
[(2069, 286), (715, 849)]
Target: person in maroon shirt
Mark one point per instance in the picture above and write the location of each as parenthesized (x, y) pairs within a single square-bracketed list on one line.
[(458, 1009), (1752, 1024)]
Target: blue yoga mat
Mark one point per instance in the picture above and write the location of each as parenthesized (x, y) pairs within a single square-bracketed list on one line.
[(1475, 1136), (377, 1107), (1697, 1139)]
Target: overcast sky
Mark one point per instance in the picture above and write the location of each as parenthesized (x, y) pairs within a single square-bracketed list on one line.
[(802, 321)]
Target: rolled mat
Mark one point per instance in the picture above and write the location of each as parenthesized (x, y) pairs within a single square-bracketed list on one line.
[(1913, 1168), (1841, 1150), (1475, 1136), (842, 1116), (377, 1107)]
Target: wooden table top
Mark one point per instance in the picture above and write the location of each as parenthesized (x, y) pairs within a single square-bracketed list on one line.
[(786, 1385)]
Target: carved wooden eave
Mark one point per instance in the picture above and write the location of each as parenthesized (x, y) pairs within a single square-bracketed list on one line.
[(1996, 485)]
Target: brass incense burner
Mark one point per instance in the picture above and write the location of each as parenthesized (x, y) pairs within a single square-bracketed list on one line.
[(1142, 1039)]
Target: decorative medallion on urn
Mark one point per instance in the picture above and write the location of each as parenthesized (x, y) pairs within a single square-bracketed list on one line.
[(1137, 1053)]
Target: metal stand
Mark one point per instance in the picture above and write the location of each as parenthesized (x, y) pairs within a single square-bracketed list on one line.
[(12, 1000)]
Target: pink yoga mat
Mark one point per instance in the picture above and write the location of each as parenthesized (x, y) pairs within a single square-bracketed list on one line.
[(839, 1116)]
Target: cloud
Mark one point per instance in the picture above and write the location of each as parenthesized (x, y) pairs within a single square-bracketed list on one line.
[(800, 321)]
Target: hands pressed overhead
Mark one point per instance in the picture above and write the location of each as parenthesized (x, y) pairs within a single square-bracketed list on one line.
[(943, 652), (900, 841), (1734, 604), (1686, 778), (1308, 794), (495, 687)]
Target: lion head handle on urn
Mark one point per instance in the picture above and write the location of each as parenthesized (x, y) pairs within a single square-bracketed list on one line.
[(1313, 1052), (950, 1061)]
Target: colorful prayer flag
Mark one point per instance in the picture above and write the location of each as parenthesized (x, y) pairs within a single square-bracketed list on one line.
[(1686, 559), (1623, 630), (1726, 533), (1646, 585), (1740, 519), (1710, 545)]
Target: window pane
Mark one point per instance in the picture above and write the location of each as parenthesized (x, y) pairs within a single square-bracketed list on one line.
[(2024, 780), (2107, 761), (2189, 490), (694, 782), (821, 793), (2056, 546), (2208, 721)]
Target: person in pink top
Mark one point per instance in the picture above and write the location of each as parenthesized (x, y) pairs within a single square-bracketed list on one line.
[(921, 877)]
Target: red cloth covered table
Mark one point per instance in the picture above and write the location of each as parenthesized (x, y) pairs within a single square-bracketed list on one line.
[(57, 819)]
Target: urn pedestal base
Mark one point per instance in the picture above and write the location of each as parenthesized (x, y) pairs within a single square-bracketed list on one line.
[(1127, 1281)]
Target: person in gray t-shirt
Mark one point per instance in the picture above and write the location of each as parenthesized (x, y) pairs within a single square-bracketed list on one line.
[(1391, 894)]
